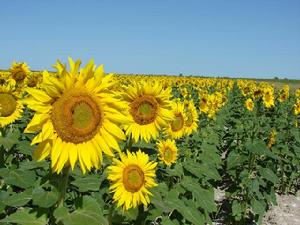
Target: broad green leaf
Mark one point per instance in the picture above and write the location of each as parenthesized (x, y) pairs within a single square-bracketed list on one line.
[(25, 217), (86, 184), (90, 213), (44, 198), (10, 139), (234, 159), (268, 174), (20, 178), (28, 165), (204, 198), (236, 208), (258, 207), (19, 199), (191, 214)]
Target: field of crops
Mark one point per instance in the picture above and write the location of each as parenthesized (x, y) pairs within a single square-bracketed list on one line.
[(78, 146)]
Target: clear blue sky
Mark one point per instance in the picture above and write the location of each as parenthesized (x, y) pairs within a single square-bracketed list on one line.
[(237, 38)]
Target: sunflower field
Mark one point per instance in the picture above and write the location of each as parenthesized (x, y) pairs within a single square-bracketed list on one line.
[(79, 146)]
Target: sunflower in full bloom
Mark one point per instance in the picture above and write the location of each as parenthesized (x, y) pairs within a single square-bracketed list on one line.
[(19, 71), (11, 107), (167, 151), (34, 79), (149, 109), (297, 107), (268, 97), (204, 103), (249, 104), (176, 127), (131, 178), (76, 115), (191, 123)]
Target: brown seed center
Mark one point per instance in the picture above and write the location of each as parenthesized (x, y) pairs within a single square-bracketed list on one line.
[(133, 178), (76, 117), (8, 104), (144, 109)]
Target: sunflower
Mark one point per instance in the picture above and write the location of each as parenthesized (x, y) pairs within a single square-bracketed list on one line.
[(249, 104), (167, 151), (11, 107), (131, 178), (272, 138), (77, 117), (149, 109), (33, 79), (191, 123), (204, 103), (19, 71), (268, 97), (176, 127), (297, 107)]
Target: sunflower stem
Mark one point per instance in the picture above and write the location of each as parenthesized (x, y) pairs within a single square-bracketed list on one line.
[(110, 214), (63, 184), (129, 143)]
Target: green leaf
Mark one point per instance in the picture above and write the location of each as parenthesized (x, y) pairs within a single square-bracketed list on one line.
[(61, 213), (20, 178), (235, 159), (204, 198), (201, 170), (90, 213), (25, 217), (25, 147), (191, 214), (166, 221), (86, 184), (10, 139), (29, 165), (236, 208), (259, 147), (17, 200), (44, 198), (258, 207), (268, 175)]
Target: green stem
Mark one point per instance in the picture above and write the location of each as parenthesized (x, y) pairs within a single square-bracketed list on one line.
[(110, 213), (2, 149), (129, 143), (63, 184)]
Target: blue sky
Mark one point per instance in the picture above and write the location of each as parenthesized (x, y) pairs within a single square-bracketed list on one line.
[(237, 38)]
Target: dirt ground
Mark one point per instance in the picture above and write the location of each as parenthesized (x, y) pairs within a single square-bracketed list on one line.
[(287, 212)]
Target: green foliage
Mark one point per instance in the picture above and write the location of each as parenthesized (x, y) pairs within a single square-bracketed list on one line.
[(230, 151)]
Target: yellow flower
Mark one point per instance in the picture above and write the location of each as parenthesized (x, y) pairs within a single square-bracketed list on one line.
[(33, 79), (268, 97), (191, 123), (204, 103), (19, 71), (149, 109), (249, 104), (167, 151), (297, 107), (77, 117), (131, 178), (272, 138), (284, 93), (11, 107), (176, 127)]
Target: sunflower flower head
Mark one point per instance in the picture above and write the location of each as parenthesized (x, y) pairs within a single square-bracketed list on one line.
[(11, 107), (149, 109), (131, 178), (76, 117), (167, 151)]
